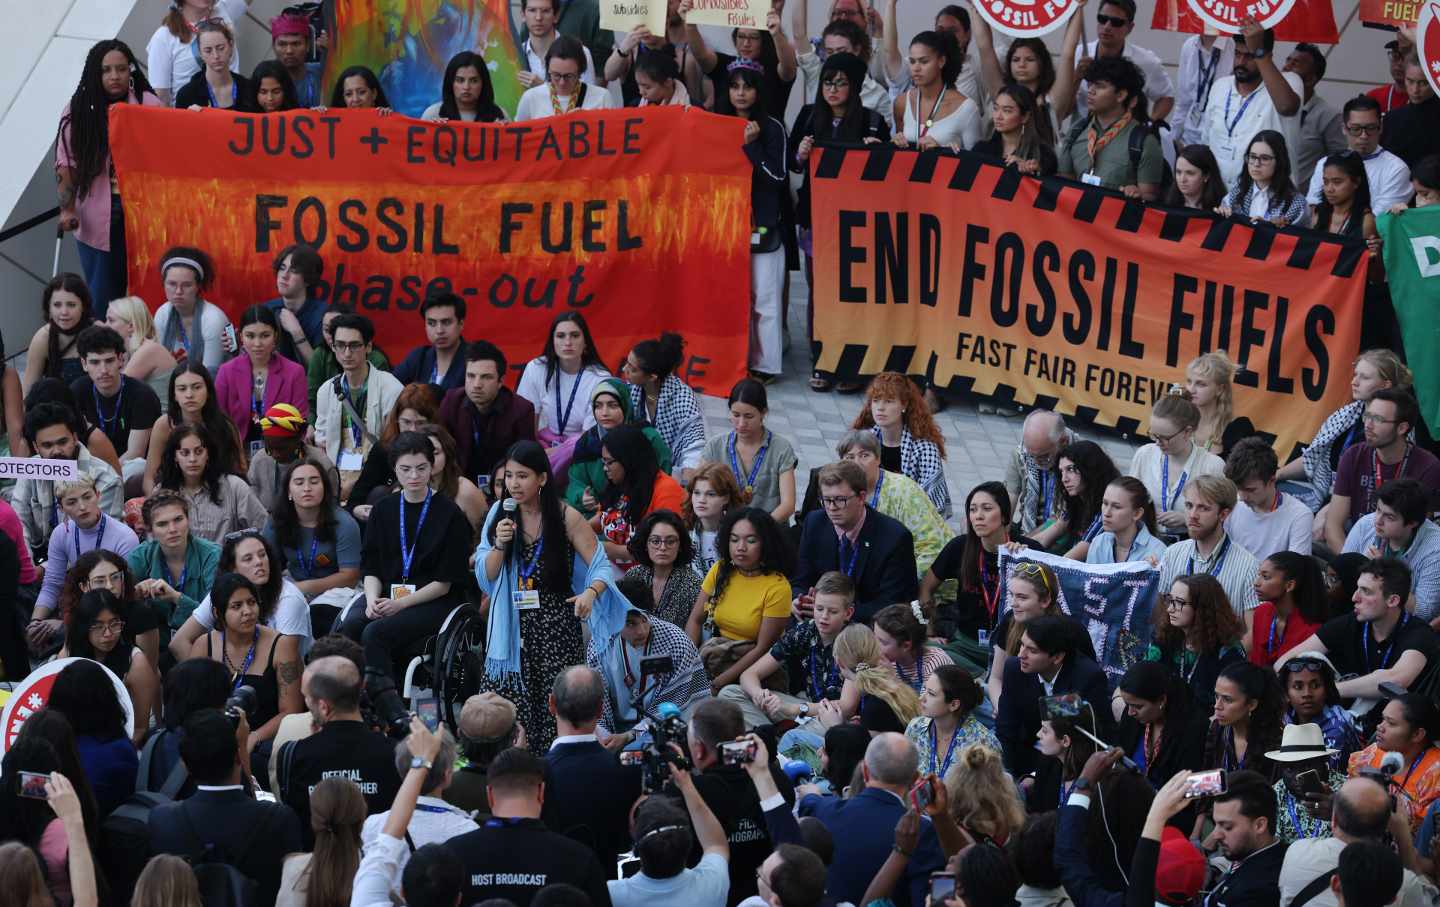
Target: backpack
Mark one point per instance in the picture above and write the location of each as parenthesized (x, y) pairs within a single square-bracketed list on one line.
[(222, 884), (1136, 148), (125, 833)]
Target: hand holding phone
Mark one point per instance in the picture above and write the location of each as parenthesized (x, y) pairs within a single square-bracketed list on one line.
[(942, 888), (32, 785), (1199, 785), (428, 711)]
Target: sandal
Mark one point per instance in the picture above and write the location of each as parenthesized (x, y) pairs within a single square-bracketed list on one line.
[(820, 384), (849, 387)]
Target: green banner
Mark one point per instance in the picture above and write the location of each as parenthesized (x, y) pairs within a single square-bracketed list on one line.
[(1412, 263)]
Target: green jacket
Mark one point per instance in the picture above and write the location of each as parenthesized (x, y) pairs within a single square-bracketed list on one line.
[(202, 559), (589, 473)]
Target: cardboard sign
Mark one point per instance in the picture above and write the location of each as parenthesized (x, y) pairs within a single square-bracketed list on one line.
[(1226, 15), (728, 13), (627, 15), (1026, 18), (36, 468), (32, 693)]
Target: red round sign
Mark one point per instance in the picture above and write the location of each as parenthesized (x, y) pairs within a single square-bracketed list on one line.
[(1427, 37), (1226, 15), (1026, 18), (32, 693)]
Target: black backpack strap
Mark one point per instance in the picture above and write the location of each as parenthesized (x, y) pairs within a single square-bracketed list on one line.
[(409, 840), (147, 758), (175, 780), (1137, 146), (283, 759), (1317, 885)]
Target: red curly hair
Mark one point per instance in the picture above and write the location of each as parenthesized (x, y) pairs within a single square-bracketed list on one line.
[(917, 418)]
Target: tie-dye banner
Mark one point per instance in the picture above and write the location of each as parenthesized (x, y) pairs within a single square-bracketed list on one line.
[(638, 218), (408, 43)]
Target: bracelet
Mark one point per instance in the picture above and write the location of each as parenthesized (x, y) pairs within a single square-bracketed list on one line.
[(903, 853)]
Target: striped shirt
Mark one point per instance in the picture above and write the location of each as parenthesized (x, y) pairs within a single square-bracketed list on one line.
[(1236, 570), (1423, 557)]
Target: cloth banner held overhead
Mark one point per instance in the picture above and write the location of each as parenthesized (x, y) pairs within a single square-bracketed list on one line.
[(641, 220), (1112, 602), (1071, 296), (408, 43), (1412, 264), (1307, 20)]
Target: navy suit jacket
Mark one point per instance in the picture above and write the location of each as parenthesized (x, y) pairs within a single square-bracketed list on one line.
[(588, 795), (884, 566), (231, 822), (1018, 717), (863, 828)]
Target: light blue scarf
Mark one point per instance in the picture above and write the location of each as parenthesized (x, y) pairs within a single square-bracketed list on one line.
[(502, 648)]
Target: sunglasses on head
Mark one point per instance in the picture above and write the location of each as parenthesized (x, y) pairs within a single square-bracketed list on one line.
[(1031, 570)]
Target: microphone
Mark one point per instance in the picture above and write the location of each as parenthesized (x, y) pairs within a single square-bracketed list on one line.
[(509, 506), (1391, 764), (668, 710)]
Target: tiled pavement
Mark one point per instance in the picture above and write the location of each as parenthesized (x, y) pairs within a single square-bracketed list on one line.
[(976, 445)]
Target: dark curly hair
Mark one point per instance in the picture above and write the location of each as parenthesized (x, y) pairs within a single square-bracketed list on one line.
[(169, 474), (775, 554), (1097, 471), (1215, 622), (639, 542)]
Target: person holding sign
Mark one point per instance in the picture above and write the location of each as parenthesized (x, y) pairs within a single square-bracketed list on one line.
[(359, 89), (1027, 63), (412, 567), (564, 91), (544, 570), (1257, 97), (640, 48), (933, 114), (658, 83), (769, 50)]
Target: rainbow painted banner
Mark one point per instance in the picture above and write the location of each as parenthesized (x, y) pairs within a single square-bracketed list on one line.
[(408, 43)]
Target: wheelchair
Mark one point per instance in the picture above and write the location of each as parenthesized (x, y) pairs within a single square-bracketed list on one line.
[(447, 665)]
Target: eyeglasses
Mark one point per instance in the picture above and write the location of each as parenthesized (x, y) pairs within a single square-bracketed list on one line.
[(1364, 129), (107, 627), (1115, 21), (564, 78), (660, 541), (1172, 603), (1373, 419), (1166, 439), (835, 84), (109, 581), (1260, 158), (347, 347), (607, 462), (836, 502)]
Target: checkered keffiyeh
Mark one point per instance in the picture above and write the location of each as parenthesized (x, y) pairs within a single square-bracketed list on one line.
[(1317, 455), (677, 418), (920, 460)]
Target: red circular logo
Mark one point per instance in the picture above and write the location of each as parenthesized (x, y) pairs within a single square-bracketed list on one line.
[(1026, 18), (1226, 15), (1427, 36), (32, 693)]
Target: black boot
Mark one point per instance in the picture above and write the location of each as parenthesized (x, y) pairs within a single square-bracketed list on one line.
[(389, 705)]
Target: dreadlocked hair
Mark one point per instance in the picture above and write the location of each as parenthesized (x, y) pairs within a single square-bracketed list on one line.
[(88, 119)]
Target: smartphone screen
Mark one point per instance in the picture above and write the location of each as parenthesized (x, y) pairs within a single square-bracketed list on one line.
[(942, 887), (32, 785), (922, 794), (1204, 784), (428, 711)]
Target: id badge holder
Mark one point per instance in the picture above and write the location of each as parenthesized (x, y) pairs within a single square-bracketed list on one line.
[(1090, 179), (527, 599), (350, 460), (400, 590), (983, 637)]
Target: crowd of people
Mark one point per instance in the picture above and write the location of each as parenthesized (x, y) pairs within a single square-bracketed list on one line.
[(698, 679)]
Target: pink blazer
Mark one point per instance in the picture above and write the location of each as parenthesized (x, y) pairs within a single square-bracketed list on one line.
[(284, 383)]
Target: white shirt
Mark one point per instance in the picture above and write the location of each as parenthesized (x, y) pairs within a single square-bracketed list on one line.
[(211, 347), (432, 113), (542, 394), (1286, 528), (171, 63), (433, 822), (573, 738), (1157, 79), (536, 63), (291, 616), (1148, 465), (1228, 134), (1388, 176), (1311, 857), (535, 102), (1236, 573), (1199, 68)]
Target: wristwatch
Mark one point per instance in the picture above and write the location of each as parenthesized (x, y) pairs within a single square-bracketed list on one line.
[(1259, 53), (804, 710), (1081, 786), (417, 762)]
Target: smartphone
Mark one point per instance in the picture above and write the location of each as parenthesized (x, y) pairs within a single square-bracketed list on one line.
[(32, 785), (482, 481), (922, 794), (737, 752), (656, 665), (1204, 784), (632, 758), (942, 887), (1309, 783), (428, 711)]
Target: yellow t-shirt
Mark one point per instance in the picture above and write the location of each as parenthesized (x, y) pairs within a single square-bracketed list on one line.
[(747, 600)]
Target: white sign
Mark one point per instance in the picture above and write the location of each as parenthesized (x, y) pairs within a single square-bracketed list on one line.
[(36, 468), (32, 693)]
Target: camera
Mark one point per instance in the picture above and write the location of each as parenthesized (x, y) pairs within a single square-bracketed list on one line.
[(241, 702), (656, 759)]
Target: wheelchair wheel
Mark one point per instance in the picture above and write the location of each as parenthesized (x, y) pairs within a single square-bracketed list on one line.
[(459, 661)]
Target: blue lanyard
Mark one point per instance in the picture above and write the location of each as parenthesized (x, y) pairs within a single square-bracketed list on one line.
[(99, 534), (184, 337), (1094, 530), (1046, 493), (1229, 123), (569, 407), (427, 808), (735, 458), (528, 567), (950, 753), (407, 550), (1270, 639), (875, 495), (1219, 559), (435, 367), (234, 93), (115, 414), (1166, 502), (1367, 636), (356, 429), (165, 569), (309, 566), (249, 656), (832, 679), (849, 568), (1294, 818), (1207, 75), (257, 405)]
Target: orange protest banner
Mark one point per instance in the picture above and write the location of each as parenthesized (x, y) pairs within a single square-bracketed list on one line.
[(640, 220), (1070, 296)]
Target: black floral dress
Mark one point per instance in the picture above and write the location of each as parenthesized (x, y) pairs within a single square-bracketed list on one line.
[(551, 640)]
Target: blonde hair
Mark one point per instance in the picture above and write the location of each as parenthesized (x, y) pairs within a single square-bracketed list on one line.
[(1217, 368), (134, 310), (166, 881), (1388, 366), (857, 648), (65, 486), (982, 797)]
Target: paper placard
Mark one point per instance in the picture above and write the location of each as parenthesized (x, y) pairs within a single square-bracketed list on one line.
[(729, 13), (36, 468), (626, 15)]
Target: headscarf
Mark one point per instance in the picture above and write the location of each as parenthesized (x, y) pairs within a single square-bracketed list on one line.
[(588, 447)]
